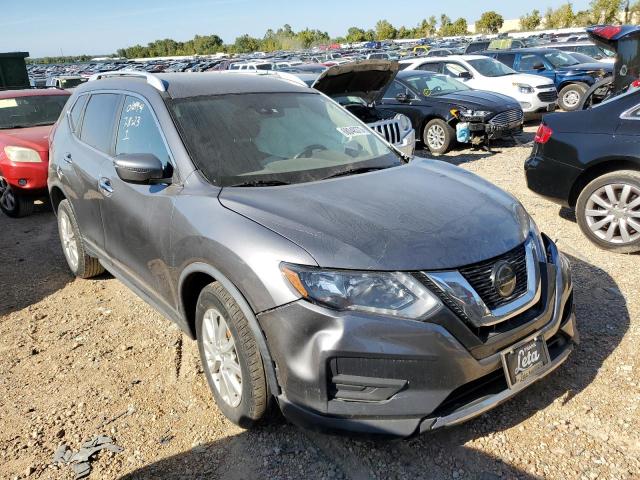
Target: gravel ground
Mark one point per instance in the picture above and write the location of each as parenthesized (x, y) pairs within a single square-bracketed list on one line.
[(82, 358)]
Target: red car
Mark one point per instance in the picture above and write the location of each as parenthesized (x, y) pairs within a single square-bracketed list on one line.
[(26, 119)]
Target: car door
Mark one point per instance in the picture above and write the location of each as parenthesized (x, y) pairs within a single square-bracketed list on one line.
[(409, 106), (137, 217), (87, 150), (525, 63)]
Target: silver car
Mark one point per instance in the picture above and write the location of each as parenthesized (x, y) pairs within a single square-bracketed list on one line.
[(313, 263)]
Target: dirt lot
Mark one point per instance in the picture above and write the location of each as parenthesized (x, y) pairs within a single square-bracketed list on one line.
[(81, 358)]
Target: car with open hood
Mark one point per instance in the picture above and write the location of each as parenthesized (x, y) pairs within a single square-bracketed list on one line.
[(445, 111), (318, 268), (356, 86)]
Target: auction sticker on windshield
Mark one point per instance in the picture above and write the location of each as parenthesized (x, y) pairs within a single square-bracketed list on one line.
[(525, 360), (355, 131)]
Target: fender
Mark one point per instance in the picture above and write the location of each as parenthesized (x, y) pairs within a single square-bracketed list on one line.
[(199, 267)]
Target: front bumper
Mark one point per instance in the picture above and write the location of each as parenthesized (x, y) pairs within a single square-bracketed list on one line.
[(29, 178), (366, 374)]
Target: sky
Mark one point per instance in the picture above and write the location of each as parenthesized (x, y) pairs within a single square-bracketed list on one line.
[(73, 27)]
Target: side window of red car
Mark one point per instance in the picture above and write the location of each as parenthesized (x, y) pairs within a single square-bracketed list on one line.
[(76, 113)]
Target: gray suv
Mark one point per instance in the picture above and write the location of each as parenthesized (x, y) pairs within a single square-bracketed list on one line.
[(315, 265)]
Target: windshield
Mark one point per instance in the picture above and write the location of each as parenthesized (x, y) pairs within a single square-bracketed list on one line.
[(281, 137), (431, 85), (21, 112), (488, 67), (560, 59)]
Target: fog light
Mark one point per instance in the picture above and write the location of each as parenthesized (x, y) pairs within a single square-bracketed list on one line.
[(22, 182), (525, 105)]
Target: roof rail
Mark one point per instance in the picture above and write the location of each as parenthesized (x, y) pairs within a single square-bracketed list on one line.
[(288, 77), (152, 80)]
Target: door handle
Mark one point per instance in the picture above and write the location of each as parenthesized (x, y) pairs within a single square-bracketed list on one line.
[(104, 185), (67, 158)]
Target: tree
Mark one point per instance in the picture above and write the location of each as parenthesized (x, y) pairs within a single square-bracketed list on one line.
[(427, 28), (490, 22), (583, 18), (563, 17), (457, 28), (606, 11), (246, 44), (385, 31), (530, 21), (355, 34)]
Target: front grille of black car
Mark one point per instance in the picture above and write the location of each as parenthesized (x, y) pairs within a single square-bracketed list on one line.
[(389, 130), (479, 277), (548, 96), (507, 118)]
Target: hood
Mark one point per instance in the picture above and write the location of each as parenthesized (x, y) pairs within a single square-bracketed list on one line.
[(36, 138), (495, 102), (524, 78), (427, 215), (367, 79), (607, 67)]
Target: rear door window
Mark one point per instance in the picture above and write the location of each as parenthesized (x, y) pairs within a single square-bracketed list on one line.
[(506, 58), (528, 61), (138, 131), (431, 67), (99, 118), (76, 112)]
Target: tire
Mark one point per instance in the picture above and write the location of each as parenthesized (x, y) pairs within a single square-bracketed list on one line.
[(13, 204), (441, 138), (615, 229), (245, 401), (570, 97), (80, 264)]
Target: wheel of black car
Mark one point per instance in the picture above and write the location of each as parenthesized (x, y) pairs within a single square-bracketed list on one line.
[(14, 204), (438, 136), (81, 264), (230, 357), (608, 211), (570, 97)]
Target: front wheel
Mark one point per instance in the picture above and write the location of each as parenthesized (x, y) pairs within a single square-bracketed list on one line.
[(570, 97), (230, 357), (438, 136), (14, 204), (608, 211)]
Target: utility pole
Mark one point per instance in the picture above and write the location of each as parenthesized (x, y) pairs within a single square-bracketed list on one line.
[(626, 12)]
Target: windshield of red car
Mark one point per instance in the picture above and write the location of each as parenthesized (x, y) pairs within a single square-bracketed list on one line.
[(30, 111)]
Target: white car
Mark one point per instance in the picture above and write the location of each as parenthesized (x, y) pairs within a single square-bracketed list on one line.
[(534, 93)]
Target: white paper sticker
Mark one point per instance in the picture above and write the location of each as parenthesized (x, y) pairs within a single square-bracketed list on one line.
[(8, 102), (355, 131)]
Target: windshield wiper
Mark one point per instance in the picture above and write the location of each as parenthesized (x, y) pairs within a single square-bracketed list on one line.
[(260, 183), (355, 171)]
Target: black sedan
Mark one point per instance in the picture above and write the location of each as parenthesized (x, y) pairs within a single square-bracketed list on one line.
[(589, 160), (443, 110)]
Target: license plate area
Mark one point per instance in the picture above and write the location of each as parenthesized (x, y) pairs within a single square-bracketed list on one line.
[(525, 360)]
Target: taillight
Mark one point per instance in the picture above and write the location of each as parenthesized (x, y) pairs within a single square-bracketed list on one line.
[(543, 134), (607, 31), (635, 83)]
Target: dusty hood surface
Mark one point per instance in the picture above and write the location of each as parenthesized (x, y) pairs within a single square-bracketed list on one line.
[(427, 215), (36, 138), (367, 79)]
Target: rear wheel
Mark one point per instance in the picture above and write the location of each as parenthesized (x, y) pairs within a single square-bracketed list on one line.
[(570, 97), (12, 203), (437, 136), (608, 211), (230, 357), (80, 263)]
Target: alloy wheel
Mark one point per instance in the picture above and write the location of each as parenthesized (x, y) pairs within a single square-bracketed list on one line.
[(571, 98), (69, 240), (613, 213), (222, 357), (436, 137), (7, 198)]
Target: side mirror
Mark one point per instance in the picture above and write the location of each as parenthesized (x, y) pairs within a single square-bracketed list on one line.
[(465, 75), (139, 167), (598, 57), (403, 98), (539, 66)]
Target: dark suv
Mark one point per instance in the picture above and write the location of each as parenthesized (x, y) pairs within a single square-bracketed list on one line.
[(311, 261)]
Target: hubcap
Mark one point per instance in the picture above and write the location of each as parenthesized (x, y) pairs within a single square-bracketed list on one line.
[(571, 98), (613, 213), (7, 198), (69, 240), (222, 357), (436, 137)]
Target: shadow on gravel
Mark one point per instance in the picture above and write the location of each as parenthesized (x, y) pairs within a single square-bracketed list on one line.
[(280, 450), (32, 265)]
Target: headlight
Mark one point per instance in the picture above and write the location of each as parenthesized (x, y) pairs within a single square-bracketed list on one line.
[(468, 114), (386, 293), (524, 88), (403, 121), (22, 155)]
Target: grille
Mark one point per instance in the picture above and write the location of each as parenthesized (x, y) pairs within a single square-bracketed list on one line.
[(544, 87), (548, 96), (507, 118), (479, 277), (389, 129)]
